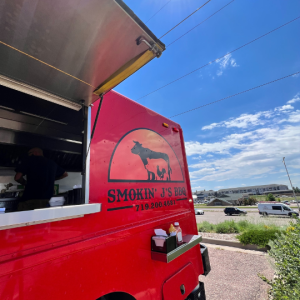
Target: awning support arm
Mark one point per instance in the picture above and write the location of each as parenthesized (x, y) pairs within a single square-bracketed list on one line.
[(152, 47), (94, 127)]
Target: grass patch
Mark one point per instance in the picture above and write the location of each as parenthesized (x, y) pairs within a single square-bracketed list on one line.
[(250, 233), (227, 227), (206, 227)]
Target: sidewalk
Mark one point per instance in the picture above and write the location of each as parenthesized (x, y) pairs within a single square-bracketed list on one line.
[(234, 249)]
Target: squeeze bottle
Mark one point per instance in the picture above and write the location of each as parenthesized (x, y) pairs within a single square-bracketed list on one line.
[(178, 233), (172, 230)]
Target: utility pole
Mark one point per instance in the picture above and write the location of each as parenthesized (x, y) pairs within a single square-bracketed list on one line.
[(291, 184)]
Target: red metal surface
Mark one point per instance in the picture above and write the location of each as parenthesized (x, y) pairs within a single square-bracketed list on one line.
[(185, 278), (110, 251)]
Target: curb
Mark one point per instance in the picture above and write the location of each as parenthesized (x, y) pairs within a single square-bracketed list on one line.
[(232, 244)]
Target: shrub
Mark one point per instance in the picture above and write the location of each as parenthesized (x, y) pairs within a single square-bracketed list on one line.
[(244, 225), (248, 201), (227, 227), (270, 197), (259, 237), (285, 250), (206, 227)]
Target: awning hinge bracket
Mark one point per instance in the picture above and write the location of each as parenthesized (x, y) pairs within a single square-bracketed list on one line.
[(152, 46)]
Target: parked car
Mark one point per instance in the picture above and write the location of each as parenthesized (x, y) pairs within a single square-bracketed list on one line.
[(234, 211), (199, 211), (286, 202), (276, 208)]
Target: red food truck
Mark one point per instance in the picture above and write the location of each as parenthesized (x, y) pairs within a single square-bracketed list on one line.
[(128, 174)]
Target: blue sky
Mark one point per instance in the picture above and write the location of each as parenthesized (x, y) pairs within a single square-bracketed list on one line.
[(239, 141)]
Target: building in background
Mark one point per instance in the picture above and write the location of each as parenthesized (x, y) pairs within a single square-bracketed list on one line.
[(256, 190)]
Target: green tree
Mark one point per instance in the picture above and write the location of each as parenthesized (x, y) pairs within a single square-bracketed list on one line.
[(296, 189), (252, 200), (270, 197)]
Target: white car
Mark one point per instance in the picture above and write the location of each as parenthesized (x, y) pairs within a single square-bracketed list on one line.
[(199, 212), (278, 209)]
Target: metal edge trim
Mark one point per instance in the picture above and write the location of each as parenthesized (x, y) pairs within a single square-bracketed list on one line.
[(30, 90), (182, 249), (87, 169), (46, 215), (142, 25)]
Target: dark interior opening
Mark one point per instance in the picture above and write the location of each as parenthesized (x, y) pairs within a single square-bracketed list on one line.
[(27, 122)]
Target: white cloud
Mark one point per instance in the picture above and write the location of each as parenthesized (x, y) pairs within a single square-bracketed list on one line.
[(260, 152), (226, 62), (198, 157), (211, 126), (198, 188), (219, 187), (284, 108), (295, 99), (293, 117), (259, 118), (231, 141), (243, 121), (252, 152)]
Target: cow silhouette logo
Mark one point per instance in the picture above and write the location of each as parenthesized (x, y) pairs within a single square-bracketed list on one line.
[(143, 155)]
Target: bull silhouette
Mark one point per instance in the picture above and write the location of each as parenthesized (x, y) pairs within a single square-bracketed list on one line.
[(146, 153)]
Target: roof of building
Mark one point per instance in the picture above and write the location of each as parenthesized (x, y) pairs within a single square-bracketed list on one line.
[(252, 187), (223, 200), (231, 197)]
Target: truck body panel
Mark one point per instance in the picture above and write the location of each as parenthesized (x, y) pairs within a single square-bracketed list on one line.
[(110, 251)]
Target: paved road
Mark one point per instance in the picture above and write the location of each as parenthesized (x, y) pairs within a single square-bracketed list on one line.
[(234, 276), (216, 217)]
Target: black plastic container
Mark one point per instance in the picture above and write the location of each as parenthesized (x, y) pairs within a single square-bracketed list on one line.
[(78, 199), (70, 198), (73, 197), (169, 245), (10, 204)]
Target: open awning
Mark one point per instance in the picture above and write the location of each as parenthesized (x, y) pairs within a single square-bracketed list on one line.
[(71, 51)]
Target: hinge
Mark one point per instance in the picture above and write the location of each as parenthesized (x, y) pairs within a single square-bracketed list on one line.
[(152, 46)]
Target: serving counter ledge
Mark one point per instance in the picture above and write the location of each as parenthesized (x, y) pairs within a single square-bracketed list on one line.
[(189, 241), (46, 215)]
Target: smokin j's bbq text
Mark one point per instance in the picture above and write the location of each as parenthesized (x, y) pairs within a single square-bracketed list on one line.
[(131, 195)]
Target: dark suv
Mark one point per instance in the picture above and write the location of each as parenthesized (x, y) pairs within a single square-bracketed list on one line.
[(234, 211)]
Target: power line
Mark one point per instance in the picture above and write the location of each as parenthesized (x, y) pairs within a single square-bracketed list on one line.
[(199, 24), (184, 19), (158, 11), (239, 93), (209, 63)]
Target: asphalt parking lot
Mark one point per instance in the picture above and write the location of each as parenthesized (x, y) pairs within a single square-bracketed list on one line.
[(216, 216)]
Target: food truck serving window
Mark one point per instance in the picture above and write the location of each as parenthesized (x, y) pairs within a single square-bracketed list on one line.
[(60, 135)]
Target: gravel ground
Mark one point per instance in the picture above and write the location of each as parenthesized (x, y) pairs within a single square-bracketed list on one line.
[(220, 236), (234, 276)]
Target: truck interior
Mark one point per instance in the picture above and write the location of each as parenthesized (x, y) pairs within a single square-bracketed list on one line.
[(26, 122), (50, 74)]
